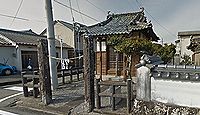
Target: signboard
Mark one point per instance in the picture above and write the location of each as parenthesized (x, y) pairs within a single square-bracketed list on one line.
[(64, 63)]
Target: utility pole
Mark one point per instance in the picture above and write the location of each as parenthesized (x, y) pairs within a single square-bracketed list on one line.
[(51, 45)]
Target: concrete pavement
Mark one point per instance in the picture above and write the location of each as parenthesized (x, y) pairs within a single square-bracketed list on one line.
[(9, 80)]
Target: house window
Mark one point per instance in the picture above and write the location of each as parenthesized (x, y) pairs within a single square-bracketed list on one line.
[(70, 53), (57, 54), (103, 46), (112, 59)]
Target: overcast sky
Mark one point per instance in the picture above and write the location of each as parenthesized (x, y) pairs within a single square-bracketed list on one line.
[(168, 16)]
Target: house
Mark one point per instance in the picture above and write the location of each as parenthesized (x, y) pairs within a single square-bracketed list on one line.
[(17, 47), (184, 40), (132, 26), (195, 47), (69, 33)]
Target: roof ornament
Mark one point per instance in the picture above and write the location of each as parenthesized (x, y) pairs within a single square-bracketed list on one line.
[(150, 24), (191, 36), (142, 9), (109, 14)]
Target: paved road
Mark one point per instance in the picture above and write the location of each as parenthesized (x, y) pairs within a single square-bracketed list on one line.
[(10, 94)]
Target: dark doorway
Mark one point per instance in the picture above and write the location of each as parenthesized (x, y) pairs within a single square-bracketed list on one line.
[(26, 55)]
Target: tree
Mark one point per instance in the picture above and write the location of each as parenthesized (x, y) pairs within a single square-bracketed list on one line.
[(166, 52), (186, 60), (131, 46)]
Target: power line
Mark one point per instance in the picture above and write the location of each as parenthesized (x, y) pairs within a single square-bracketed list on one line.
[(80, 11), (157, 33), (157, 21), (76, 11), (16, 13), (97, 7), (20, 18), (70, 4)]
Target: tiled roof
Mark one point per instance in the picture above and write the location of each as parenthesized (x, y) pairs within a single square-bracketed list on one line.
[(3, 41), (70, 26), (24, 38), (188, 33), (29, 31), (121, 24), (66, 24), (20, 37)]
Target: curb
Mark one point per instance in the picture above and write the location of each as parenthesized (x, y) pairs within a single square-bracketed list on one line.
[(41, 110), (13, 82), (10, 82)]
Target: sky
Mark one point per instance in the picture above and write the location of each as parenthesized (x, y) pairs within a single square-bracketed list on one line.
[(167, 16)]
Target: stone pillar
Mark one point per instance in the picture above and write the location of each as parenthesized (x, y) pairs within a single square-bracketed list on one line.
[(143, 85)]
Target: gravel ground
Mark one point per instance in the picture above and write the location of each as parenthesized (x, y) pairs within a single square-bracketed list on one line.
[(157, 108)]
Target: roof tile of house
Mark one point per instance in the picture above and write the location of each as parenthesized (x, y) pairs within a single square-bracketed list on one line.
[(66, 24), (24, 38), (188, 33), (3, 41), (121, 24)]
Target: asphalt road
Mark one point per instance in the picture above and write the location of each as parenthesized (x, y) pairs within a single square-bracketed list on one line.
[(10, 94)]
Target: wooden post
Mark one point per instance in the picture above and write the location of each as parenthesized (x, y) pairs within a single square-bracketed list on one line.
[(63, 75), (77, 70), (129, 66), (124, 67), (25, 87), (100, 47), (117, 66), (89, 72), (44, 74), (98, 98), (71, 74), (129, 95), (113, 98), (35, 86)]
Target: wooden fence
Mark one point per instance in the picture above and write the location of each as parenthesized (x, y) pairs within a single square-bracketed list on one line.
[(69, 73), (30, 79), (113, 95), (28, 76)]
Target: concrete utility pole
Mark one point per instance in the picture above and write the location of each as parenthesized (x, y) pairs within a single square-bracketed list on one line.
[(51, 44)]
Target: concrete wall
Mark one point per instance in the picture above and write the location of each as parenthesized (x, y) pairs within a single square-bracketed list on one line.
[(62, 32), (8, 54), (13, 54), (197, 59), (180, 92), (184, 42)]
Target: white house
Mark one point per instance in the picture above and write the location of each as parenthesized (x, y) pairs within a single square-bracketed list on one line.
[(69, 33), (17, 47), (184, 39)]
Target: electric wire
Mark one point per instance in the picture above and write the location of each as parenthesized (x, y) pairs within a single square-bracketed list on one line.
[(156, 20), (129, 1), (97, 7), (20, 18), (76, 10), (16, 13), (80, 11), (70, 5)]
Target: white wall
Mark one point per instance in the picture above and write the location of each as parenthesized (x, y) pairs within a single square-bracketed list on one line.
[(184, 42), (185, 93), (64, 33), (8, 54)]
